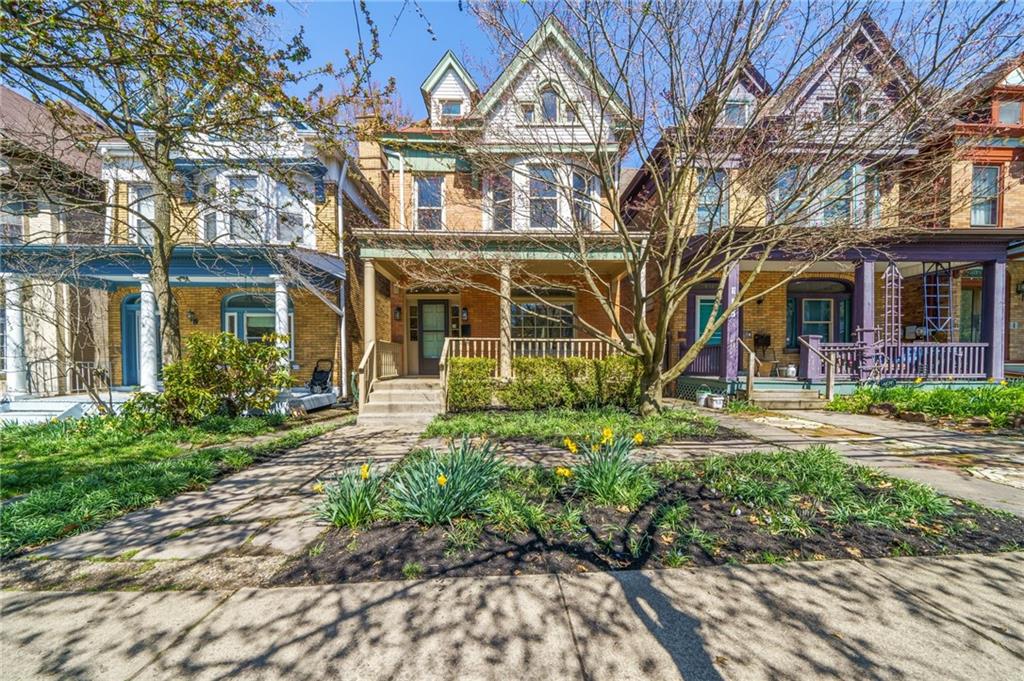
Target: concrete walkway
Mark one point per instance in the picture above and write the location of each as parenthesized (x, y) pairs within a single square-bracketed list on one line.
[(987, 469), (265, 507), (948, 618)]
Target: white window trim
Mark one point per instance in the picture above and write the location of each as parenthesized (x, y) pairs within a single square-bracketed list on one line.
[(416, 202), (559, 198), (134, 219), (266, 209)]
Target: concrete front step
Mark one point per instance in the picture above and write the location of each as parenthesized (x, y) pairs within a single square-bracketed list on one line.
[(408, 401), (782, 405), (372, 407), (400, 396)]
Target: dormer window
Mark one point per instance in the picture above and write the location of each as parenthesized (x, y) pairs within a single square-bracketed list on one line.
[(451, 109), (736, 113), (1009, 112), (549, 105)]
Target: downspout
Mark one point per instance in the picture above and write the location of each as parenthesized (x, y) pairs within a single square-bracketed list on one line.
[(339, 210)]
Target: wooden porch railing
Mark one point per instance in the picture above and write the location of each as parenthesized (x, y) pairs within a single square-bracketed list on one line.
[(829, 361), (382, 359), (490, 348), (706, 363), (855, 361)]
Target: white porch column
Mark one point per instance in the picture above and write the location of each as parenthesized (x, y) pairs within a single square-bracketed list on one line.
[(148, 336), (281, 325), (14, 337), (369, 303), (505, 351)]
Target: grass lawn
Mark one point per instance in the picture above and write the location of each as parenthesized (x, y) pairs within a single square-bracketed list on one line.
[(1000, 404), (77, 475), (449, 515), (552, 425)]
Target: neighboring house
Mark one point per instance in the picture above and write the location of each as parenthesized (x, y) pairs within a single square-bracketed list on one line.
[(848, 307), (498, 179), (52, 335), (260, 251)]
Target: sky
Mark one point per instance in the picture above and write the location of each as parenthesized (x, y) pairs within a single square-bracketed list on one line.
[(409, 49)]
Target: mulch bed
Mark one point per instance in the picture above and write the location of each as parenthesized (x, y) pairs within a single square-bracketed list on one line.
[(616, 539)]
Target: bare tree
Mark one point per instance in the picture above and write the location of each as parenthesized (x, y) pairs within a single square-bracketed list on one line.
[(737, 162)]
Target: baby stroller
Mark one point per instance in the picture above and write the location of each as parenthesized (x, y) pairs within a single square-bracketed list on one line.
[(321, 380)]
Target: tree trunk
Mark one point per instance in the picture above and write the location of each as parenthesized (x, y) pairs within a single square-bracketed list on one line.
[(160, 257), (651, 388)]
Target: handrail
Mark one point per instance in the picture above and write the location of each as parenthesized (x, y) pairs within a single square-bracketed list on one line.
[(753, 364), (367, 366), (442, 370), (830, 369)]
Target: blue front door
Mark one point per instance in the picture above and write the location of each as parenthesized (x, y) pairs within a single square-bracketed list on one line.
[(130, 340)]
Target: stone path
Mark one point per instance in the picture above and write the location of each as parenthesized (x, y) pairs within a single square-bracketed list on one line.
[(921, 618), (988, 469), (266, 506)]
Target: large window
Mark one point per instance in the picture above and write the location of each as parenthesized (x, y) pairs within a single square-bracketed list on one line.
[(251, 318), (582, 204), (839, 200), (549, 105), (985, 196), (818, 307), (543, 198), (501, 201), (143, 210), (430, 202), (243, 219), (735, 113), (540, 320), (288, 217), (1010, 112), (712, 200)]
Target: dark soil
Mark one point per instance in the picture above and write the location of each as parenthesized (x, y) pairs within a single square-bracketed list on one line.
[(617, 539)]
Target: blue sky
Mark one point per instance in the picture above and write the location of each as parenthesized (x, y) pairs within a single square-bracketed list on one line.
[(409, 50)]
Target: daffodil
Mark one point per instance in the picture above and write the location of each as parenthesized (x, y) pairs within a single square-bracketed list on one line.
[(991, 379), (563, 472), (1003, 382), (442, 480), (570, 445), (638, 439), (318, 487), (918, 380), (606, 435), (364, 471)]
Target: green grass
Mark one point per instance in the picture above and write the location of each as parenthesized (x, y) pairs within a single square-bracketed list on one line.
[(38, 456), (999, 403), (77, 504), (551, 426)]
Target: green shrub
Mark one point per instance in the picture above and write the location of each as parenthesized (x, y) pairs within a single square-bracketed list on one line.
[(609, 475), (999, 403), (572, 382), (352, 500), (221, 374), (470, 383), (433, 488), (537, 382), (618, 379)]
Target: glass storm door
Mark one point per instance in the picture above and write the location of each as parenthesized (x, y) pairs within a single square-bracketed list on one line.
[(433, 323)]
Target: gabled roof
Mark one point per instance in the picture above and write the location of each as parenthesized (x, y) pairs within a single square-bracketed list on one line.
[(984, 84), (862, 30), (448, 61), (550, 29), (752, 79)]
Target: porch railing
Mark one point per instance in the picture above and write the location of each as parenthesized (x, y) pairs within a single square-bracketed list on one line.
[(490, 348), (83, 376), (43, 377), (855, 361), (382, 359), (706, 363)]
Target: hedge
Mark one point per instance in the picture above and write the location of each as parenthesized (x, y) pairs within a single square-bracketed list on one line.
[(543, 382)]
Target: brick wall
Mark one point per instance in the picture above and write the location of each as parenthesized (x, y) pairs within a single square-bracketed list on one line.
[(1015, 339), (316, 325), (1012, 175)]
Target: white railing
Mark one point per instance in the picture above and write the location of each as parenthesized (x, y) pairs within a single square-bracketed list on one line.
[(44, 377), (83, 376)]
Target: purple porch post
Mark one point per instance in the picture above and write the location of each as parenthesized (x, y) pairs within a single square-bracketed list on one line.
[(993, 316), (864, 311), (810, 363), (729, 365)]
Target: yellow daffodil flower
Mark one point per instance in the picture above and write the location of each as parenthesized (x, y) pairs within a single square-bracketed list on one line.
[(442, 480), (1003, 382), (364, 471), (563, 472), (918, 380), (570, 445), (606, 435), (638, 439), (318, 487)]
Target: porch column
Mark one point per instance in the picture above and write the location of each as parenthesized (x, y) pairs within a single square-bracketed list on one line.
[(148, 336), (281, 325), (993, 316), (505, 352), (864, 311), (729, 362), (369, 304), (14, 336)]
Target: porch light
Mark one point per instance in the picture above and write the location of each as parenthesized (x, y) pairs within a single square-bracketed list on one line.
[(192, 317), (465, 314), (398, 313)]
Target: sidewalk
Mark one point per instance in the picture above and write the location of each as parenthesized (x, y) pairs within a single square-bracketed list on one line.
[(950, 618), (987, 469)]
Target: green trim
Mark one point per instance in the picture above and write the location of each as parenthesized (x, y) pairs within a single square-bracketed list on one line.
[(513, 251), (448, 61), (423, 161), (551, 28)]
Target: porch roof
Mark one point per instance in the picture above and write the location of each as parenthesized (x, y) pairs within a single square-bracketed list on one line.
[(395, 244), (109, 266)]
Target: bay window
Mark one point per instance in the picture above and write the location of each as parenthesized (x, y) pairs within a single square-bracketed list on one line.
[(582, 204), (243, 222), (839, 199), (288, 217)]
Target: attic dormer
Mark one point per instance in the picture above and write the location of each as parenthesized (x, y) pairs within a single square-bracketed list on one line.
[(449, 92)]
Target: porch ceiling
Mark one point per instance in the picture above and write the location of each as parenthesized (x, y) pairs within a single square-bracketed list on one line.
[(112, 266)]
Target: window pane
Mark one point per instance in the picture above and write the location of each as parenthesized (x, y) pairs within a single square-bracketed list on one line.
[(817, 311), (538, 320), (713, 203), (451, 108), (582, 208), (145, 210), (549, 106), (501, 200), (289, 226), (704, 307), (210, 226), (1009, 112), (257, 326), (985, 190), (839, 199), (543, 198), (428, 191), (734, 113), (528, 113)]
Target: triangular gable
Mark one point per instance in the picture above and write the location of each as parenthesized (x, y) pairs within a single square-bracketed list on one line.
[(551, 29), (1015, 78), (863, 32), (448, 61)]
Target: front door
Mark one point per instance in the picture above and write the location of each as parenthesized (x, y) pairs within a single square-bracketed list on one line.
[(433, 329), (130, 308)]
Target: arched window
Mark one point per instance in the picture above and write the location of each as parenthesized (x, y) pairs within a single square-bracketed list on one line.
[(818, 307), (549, 105), (250, 316), (849, 102)]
